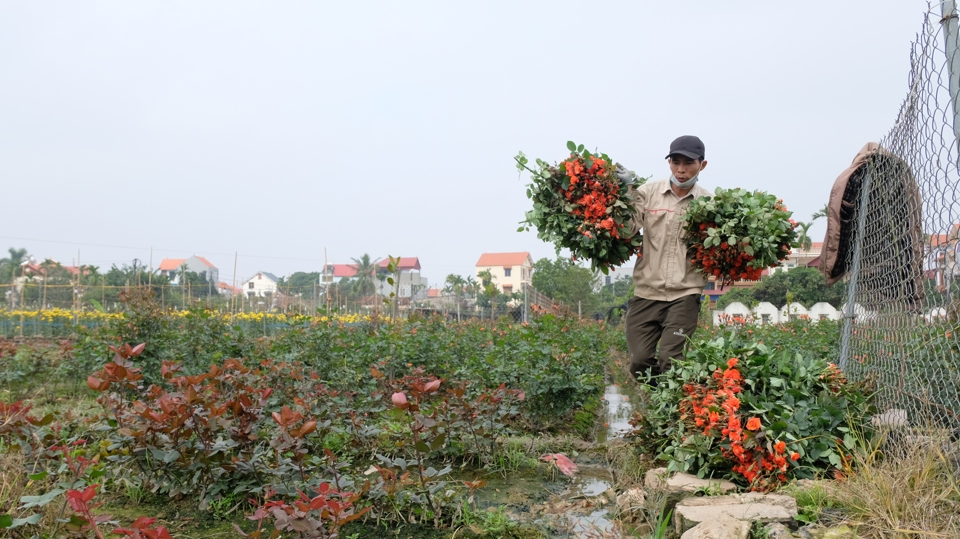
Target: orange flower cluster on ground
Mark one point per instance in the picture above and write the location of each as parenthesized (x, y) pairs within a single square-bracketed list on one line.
[(736, 234), (713, 409), (582, 205)]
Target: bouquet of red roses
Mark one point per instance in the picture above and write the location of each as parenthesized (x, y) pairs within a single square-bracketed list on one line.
[(736, 234), (580, 204)]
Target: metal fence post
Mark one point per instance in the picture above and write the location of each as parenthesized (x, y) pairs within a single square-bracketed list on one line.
[(526, 302), (951, 36), (850, 313)]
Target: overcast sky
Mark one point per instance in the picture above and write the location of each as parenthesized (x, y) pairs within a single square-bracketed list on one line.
[(285, 130)]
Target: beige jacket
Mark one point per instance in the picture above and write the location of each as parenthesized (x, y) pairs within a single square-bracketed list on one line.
[(663, 272)]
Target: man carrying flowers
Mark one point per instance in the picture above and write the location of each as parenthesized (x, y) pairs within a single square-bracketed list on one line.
[(667, 289)]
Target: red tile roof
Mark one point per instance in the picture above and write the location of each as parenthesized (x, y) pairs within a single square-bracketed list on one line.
[(206, 262), (938, 239), (343, 270), (170, 264), (408, 263), (433, 292), (503, 259), (224, 286)]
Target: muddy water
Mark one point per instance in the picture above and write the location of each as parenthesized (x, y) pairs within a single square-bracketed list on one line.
[(561, 507), (581, 507), (619, 411)]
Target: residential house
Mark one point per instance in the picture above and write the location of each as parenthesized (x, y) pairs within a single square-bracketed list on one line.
[(438, 299), (334, 273), (510, 271), (227, 290), (801, 257), (170, 267), (261, 285), (38, 271), (940, 257), (411, 284)]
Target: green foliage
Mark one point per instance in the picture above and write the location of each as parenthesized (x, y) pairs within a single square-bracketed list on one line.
[(755, 222), (10, 265), (807, 285), (566, 281), (365, 282), (743, 294)]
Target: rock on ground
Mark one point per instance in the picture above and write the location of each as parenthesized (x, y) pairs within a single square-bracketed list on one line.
[(722, 527), (749, 507)]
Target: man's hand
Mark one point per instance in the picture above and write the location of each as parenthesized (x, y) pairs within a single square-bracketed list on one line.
[(625, 176)]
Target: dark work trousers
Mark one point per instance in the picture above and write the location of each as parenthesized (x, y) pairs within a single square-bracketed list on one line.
[(668, 323)]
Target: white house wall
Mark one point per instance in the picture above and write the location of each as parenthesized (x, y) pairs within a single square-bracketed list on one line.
[(817, 312), (518, 276)]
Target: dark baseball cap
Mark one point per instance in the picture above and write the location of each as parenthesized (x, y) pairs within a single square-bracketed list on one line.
[(687, 146)]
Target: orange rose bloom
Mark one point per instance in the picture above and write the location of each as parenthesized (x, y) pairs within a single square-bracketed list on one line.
[(753, 423), (732, 362)]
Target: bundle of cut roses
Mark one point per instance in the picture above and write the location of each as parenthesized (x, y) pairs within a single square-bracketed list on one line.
[(736, 234), (580, 204)]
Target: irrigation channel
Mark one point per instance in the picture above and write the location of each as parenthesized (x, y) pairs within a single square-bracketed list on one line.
[(581, 507)]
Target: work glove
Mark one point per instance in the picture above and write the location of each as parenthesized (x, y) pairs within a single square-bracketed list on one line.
[(625, 176)]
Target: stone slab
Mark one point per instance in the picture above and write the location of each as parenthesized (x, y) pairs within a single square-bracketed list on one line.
[(723, 527), (655, 478), (749, 507), (684, 482)]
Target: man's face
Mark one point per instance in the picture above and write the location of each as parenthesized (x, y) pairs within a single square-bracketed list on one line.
[(684, 168)]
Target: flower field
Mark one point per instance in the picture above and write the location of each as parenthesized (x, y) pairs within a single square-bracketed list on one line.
[(57, 322), (331, 421)]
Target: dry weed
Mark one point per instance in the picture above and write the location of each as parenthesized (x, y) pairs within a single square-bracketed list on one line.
[(905, 487)]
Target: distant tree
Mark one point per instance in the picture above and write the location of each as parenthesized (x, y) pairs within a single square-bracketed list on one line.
[(470, 286), (567, 282), (10, 265), (365, 282), (807, 285), (803, 238), (455, 285), (302, 282), (743, 294), (487, 290), (197, 284), (618, 292)]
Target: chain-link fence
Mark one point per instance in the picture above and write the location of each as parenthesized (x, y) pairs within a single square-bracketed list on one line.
[(898, 242)]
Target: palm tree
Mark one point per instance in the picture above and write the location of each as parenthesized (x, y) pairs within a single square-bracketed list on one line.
[(470, 285), (802, 237), (366, 275), (455, 285), (821, 213), (9, 266)]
